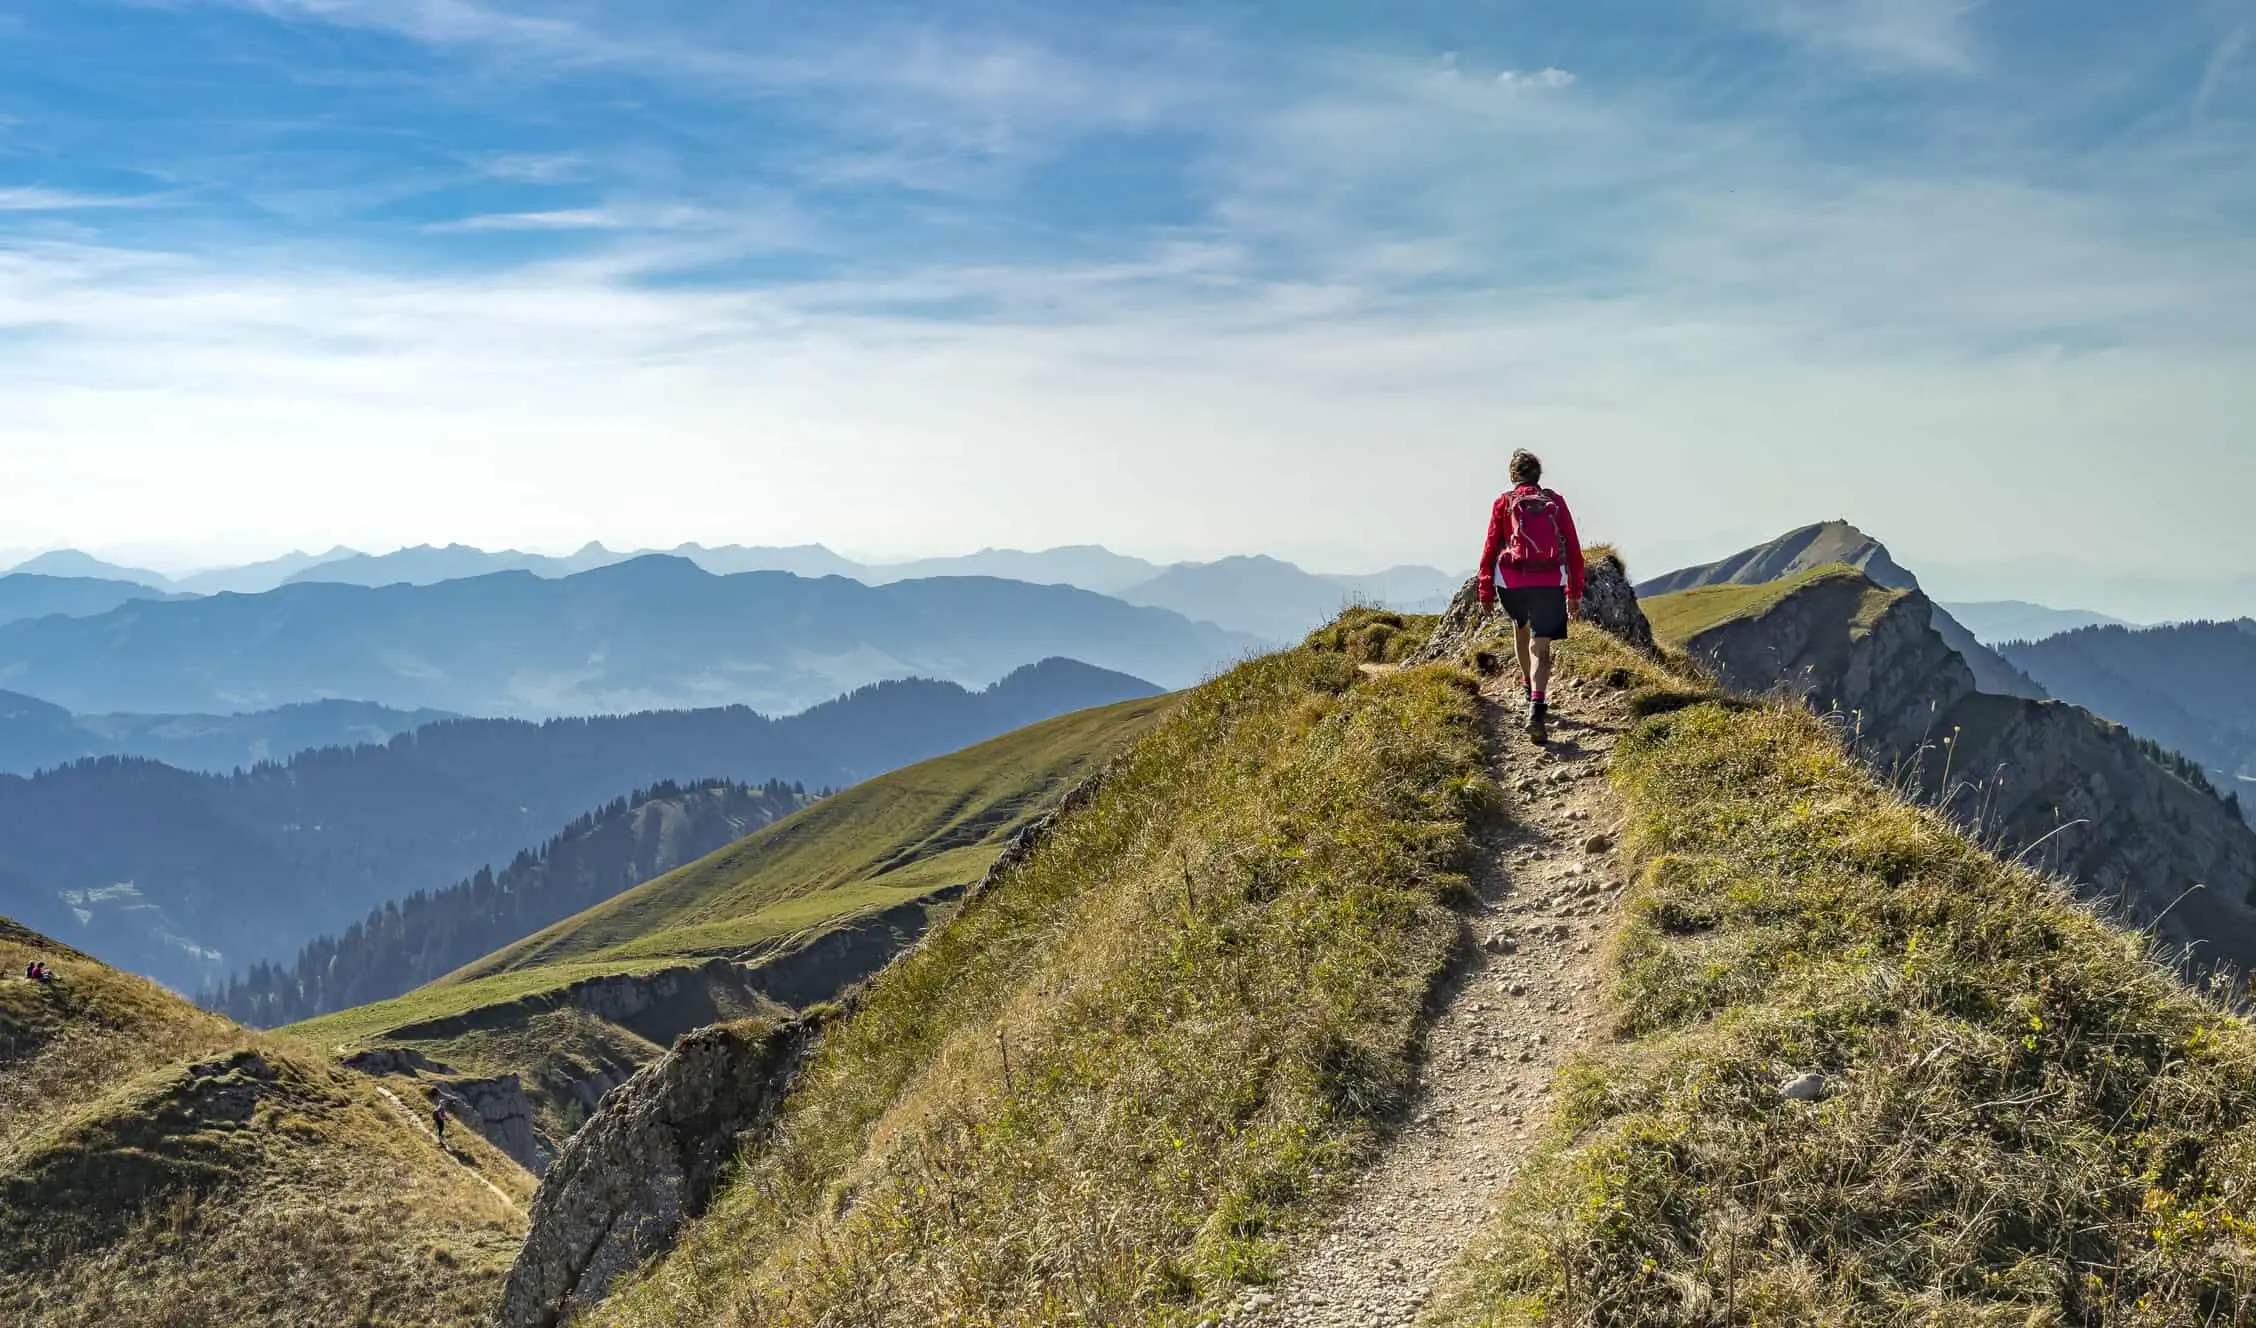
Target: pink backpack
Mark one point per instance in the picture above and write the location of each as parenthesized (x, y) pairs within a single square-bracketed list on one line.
[(1538, 542)]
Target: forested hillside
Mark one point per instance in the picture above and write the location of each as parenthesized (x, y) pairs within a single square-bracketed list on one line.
[(408, 942), (2189, 686)]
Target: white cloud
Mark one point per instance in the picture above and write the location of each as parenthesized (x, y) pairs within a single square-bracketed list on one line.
[(1888, 36), (537, 167), (2219, 67), (1542, 78), (665, 218), (35, 199)]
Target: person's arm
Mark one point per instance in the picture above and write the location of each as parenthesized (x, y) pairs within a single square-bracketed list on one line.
[(1574, 554), (1499, 530)]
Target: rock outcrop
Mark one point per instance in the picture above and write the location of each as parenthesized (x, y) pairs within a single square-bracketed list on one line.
[(1608, 603), (2043, 780), (648, 1161)]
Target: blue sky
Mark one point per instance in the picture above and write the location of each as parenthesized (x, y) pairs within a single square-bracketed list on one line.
[(1182, 279)]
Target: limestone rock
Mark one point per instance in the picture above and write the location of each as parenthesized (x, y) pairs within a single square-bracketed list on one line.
[(648, 1161), (1803, 1088)]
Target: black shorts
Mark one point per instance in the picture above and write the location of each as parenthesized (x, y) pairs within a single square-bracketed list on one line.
[(1542, 608)]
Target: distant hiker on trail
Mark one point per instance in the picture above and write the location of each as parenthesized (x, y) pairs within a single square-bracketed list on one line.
[(39, 972), (1533, 563), (438, 1122)]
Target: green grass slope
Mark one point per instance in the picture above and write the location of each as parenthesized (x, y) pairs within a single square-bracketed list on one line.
[(2027, 1119), (163, 1166), (1680, 618), (1118, 1078), (886, 848)]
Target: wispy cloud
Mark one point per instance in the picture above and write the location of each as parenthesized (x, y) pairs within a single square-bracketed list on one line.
[(1547, 77), (2222, 60), (658, 218), (31, 198), (537, 167), (1890, 36)]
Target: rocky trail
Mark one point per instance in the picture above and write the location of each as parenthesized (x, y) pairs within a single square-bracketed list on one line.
[(1524, 997)]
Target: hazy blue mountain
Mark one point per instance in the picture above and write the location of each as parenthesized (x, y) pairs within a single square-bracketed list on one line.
[(810, 560), (1270, 599), (72, 563), (1089, 566), (259, 577), (1831, 542), (2188, 686), (36, 736), (426, 564), (33, 595), (652, 633), (186, 876), (1995, 622)]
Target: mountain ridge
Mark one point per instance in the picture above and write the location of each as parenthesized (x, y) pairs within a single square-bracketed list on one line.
[(651, 633), (1838, 542)]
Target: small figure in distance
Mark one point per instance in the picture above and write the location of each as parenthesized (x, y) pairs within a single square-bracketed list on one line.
[(1532, 565), (438, 1122)]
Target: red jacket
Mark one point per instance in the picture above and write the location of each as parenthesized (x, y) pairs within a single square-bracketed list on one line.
[(1500, 534)]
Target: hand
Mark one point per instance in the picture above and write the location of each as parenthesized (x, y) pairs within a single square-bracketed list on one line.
[(1574, 610)]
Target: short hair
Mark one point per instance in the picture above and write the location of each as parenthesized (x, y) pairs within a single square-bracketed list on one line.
[(1527, 467)]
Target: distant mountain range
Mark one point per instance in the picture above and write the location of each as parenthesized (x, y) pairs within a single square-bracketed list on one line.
[(35, 735), (1264, 597), (2188, 686), (1996, 622), (184, 876), (36, 595), (654, 633), (1838, 542)]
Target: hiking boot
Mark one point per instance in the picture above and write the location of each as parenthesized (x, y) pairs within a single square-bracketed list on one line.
[(1539, 723)]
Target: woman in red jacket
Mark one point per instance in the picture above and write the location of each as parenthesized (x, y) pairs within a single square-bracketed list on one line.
[(1533, 563)]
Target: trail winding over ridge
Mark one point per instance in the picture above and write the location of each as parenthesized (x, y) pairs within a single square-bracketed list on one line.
[(1523, 997)]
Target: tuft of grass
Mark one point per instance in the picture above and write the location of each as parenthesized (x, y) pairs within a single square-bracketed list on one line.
[(2027, 1119), (1373, 636), (1112, 1084), (160, 1165)]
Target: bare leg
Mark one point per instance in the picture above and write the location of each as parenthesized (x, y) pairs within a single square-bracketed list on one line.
[(1540, 677), (1522, 641)]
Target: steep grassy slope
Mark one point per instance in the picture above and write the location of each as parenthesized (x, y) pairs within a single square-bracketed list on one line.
[(163, 1166), (2025, 1121), (1105, 1091), (1679, 616), (791, 912)]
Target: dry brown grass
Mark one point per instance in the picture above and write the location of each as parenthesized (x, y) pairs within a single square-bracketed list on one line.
[(162, 1166)]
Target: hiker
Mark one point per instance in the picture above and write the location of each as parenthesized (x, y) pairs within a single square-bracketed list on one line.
[(1532, 564), (438, 1122)]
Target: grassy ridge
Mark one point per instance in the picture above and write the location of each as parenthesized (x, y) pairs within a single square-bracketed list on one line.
[(893, 840), (2027, 1121), (163, 1166), (1678, 617), (1104, 1090), (934, 824)]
